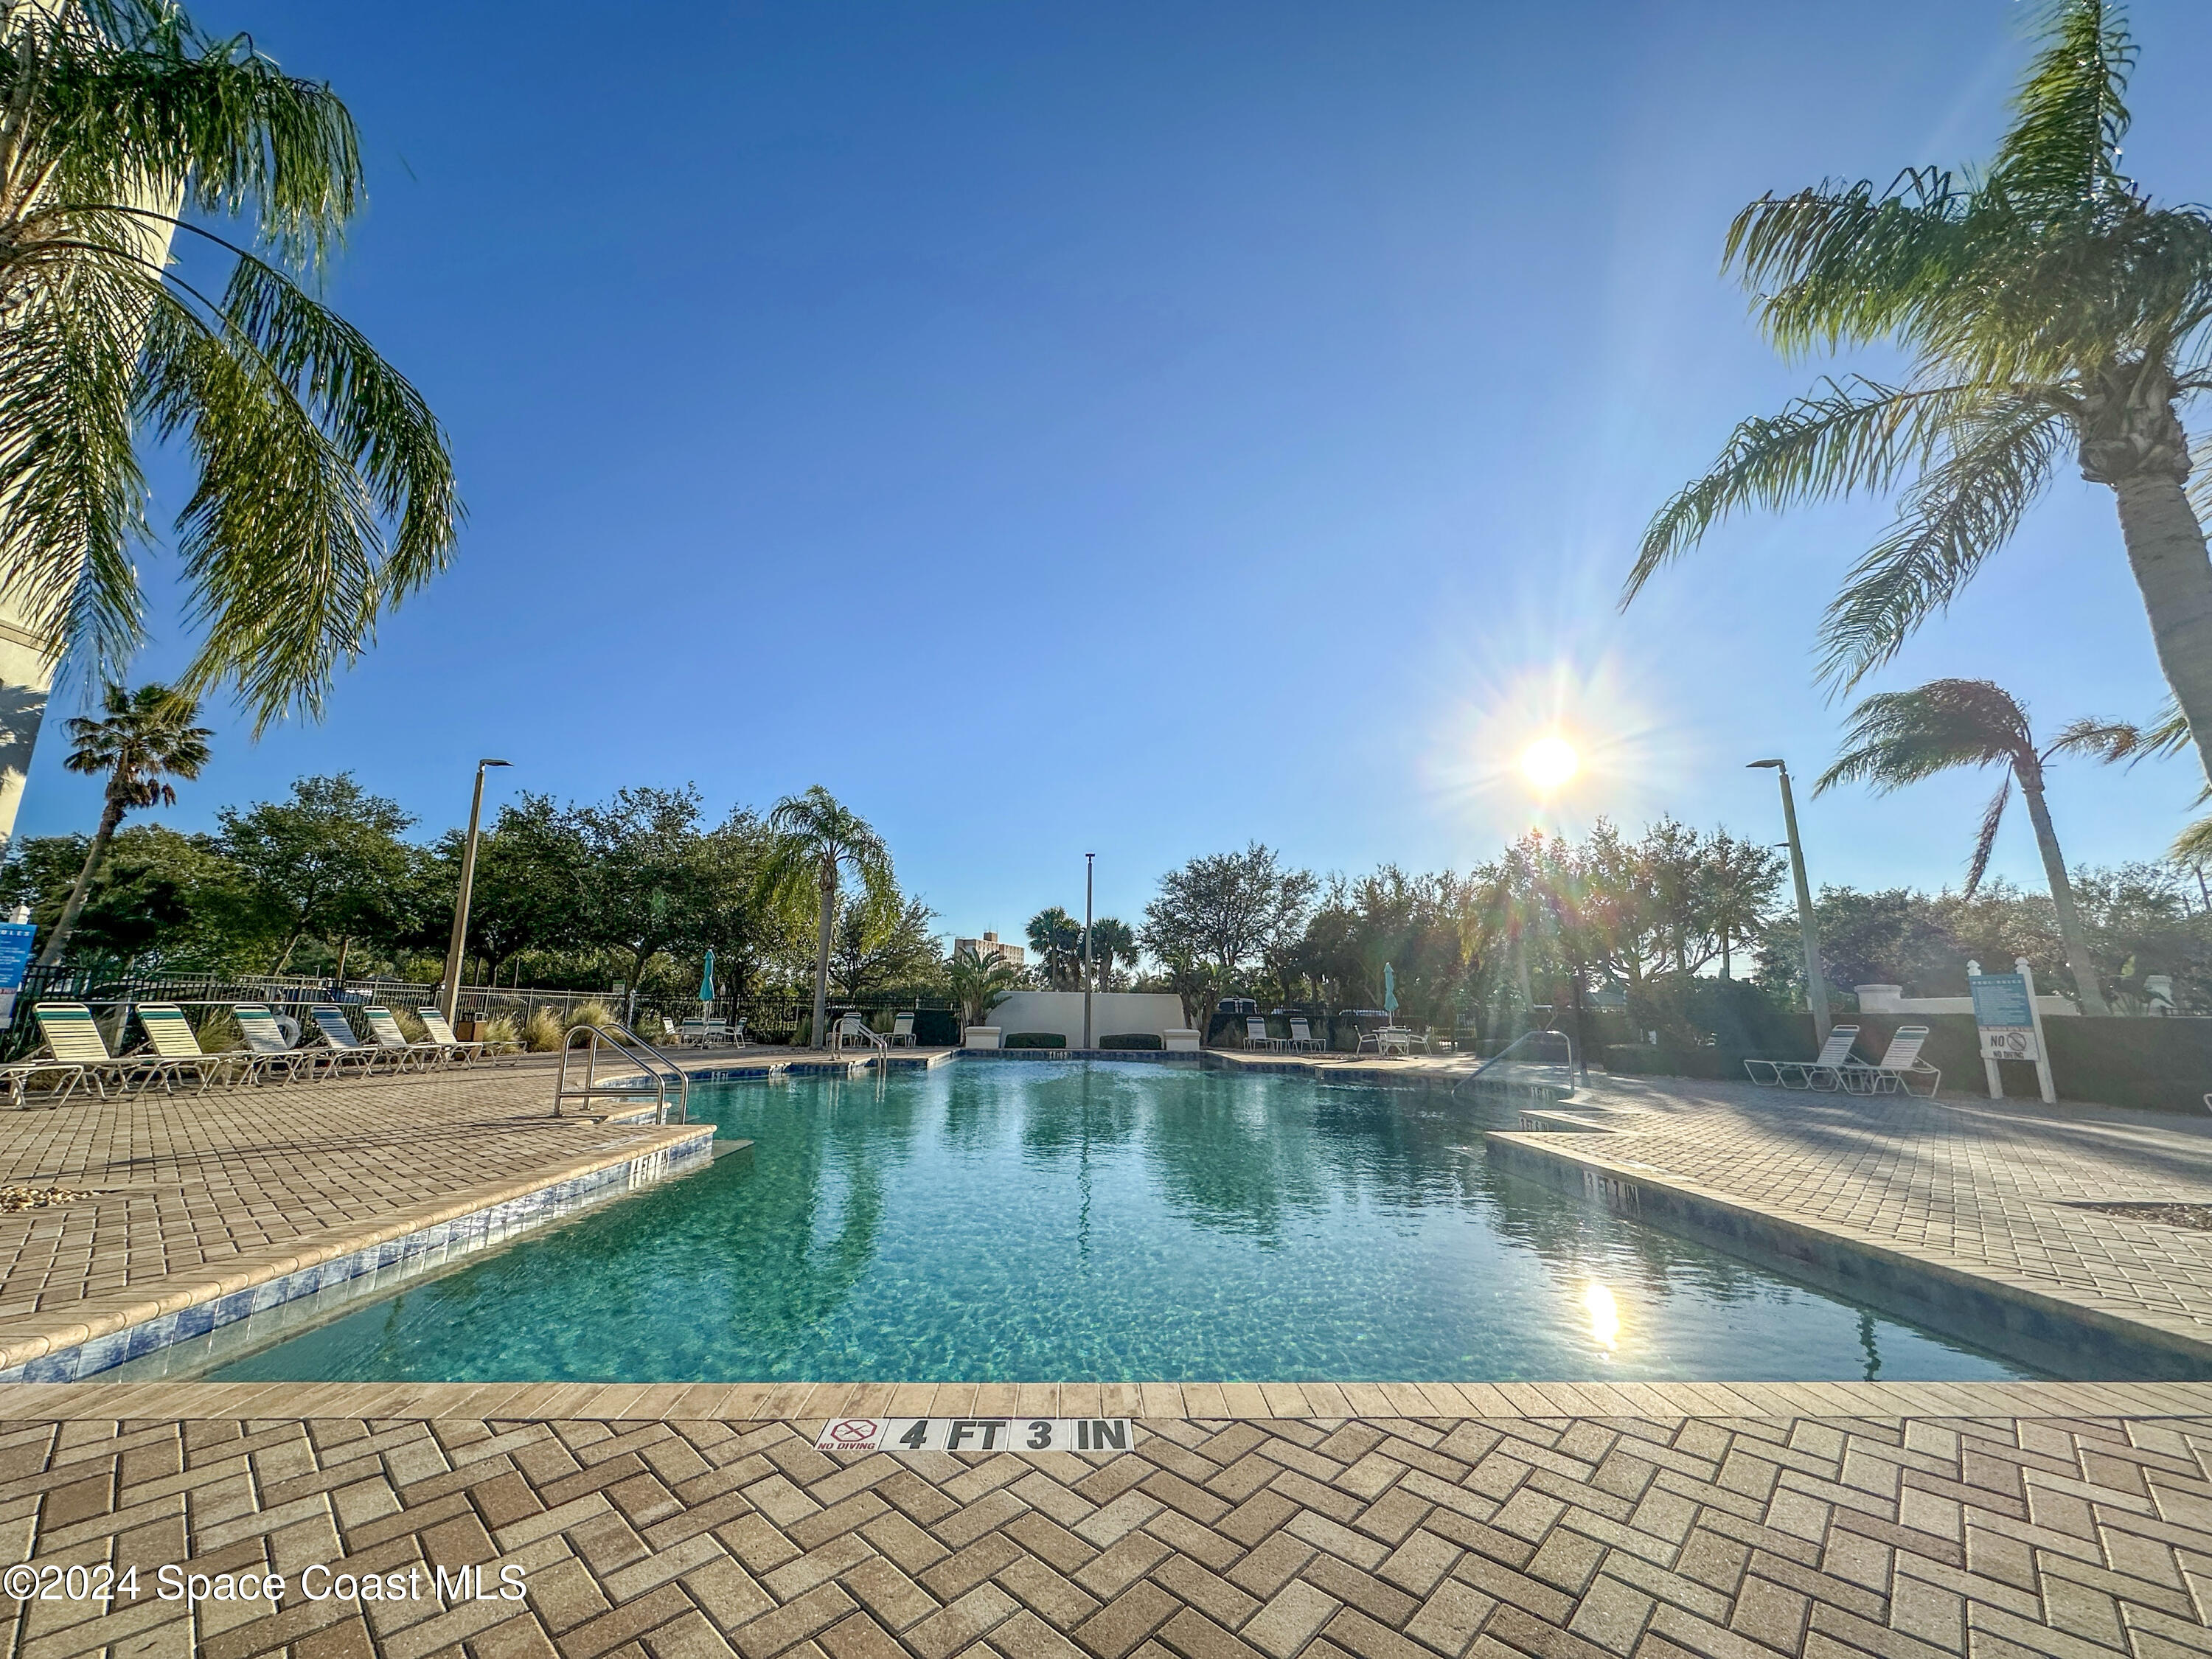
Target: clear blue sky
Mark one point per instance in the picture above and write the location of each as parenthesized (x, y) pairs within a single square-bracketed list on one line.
[(1140, 428)]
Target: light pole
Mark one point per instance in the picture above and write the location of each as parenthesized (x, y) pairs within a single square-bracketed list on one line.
[(1816, 988), (1089, 862), (449, 994)]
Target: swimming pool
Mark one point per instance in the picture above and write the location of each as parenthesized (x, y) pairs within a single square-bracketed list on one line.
[(1059, 1221)]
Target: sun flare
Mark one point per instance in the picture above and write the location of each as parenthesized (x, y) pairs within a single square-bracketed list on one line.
[(1604, 1316), (1550, 762)]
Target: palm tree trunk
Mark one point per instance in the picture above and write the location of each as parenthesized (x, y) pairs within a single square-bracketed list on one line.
[(2061, 897), (821, 958), (95, 856), (2166, 550)]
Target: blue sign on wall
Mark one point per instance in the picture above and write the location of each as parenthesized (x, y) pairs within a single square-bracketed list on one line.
[(2001, 999), (16, 937)]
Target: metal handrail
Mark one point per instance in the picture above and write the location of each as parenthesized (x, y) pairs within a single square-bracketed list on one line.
[(1505, 1054), (633, 1048)]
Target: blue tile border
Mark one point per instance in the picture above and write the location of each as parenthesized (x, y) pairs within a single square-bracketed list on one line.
[(475, 1229)]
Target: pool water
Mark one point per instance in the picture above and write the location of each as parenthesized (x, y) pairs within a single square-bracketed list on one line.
[(1063, 1221)]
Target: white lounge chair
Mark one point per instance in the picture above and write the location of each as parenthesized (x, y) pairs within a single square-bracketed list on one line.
[(73, 1036), (267, 1038), (902, 1031), (346, 1048), (1823, 1070), (852, 1031), (175, 1040), (1255, 1034), (1898, 1068), (393, 1041), (434, 1023), (1301, 1037)]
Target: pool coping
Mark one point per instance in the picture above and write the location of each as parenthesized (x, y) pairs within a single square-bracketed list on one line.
[(69, 1343), (819, 1403), (2034, 1322)]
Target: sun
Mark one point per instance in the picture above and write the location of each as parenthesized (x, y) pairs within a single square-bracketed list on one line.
[(1549, 762)]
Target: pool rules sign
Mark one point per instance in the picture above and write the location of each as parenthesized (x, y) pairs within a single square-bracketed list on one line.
[(978, 1434), (2010, 1024)]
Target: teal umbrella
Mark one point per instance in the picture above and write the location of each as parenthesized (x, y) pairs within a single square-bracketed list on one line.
[(1390, 990), (707, 978)]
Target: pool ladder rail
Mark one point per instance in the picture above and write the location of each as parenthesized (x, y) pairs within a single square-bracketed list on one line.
[(639, 1052), (1544, 1037)]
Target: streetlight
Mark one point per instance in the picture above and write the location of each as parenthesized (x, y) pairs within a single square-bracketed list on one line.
[(1090, 861), (1816, 988), (449, 994)]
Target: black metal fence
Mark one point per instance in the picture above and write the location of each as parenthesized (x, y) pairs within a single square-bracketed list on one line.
[(112, 996)]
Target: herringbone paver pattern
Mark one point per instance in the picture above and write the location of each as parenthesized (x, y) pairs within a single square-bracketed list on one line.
[(1991, 1188), (1429, 1537)]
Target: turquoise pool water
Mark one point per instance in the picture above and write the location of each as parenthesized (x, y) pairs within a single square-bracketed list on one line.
[(1053, 1221)]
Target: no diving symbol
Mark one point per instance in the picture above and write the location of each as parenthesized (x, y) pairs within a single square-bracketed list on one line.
[(854, 1434)]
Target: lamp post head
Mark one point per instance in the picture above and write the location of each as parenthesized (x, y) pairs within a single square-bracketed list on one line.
[(482, 764), (1749, 764)]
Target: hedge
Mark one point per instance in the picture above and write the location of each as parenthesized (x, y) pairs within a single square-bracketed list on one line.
[(1131, 1040), (1036, 1040)]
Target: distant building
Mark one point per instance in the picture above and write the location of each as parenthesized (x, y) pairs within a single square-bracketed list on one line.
[(991, 945)]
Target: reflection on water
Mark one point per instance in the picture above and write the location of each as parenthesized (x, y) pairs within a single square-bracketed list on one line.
[(1049, 1221)]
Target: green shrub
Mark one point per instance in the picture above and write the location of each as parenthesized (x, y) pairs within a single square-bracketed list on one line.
[(1036, 1040), (1131, 1040), (541, 1033), (501, 1028), (219, 1033), (590, 1011)]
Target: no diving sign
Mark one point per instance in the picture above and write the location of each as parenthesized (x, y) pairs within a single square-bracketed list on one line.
[(1018, 1434)]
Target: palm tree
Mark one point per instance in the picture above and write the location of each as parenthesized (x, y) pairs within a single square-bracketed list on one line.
[(147, 738), (2050, 310), (980, 983), (1901, 736), (813, 839), (325, 492), (1057, 937), (1111, 940)]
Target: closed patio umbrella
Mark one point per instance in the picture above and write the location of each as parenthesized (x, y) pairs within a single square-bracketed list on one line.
[(707, 978), (1391, 992)]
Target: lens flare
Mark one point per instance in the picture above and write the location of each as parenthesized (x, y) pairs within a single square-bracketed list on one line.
[(1549, 762), (1604, 1316)]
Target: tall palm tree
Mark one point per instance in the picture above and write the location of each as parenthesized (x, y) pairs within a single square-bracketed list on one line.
[(813, 839), (1111, 940), (2050, 310), (325, 492), (1901, 736), (1057, 939), (148, 736)]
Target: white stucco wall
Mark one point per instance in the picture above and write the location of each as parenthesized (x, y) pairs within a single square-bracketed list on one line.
[(1113, 1013)]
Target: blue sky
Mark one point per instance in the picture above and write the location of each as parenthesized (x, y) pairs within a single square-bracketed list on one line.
[(1141, 428)]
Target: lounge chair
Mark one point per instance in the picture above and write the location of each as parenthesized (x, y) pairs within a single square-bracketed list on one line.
[(1256, 1035), (73, 1036), (852, 1031), (344, 1047), (266, 1037), (1823, 1070), (1894, 1072), (902, 1031), (389, 1037), (434, 1023), (175, 1040), (62, 1078), (1301, 1037)]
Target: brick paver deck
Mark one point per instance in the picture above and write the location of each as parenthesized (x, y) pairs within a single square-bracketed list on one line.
[(238, 1185), (1981, 1188), (1853, 1535)]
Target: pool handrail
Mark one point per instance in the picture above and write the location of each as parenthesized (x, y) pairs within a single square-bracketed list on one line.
[(1507, 1053), (633, 1048)]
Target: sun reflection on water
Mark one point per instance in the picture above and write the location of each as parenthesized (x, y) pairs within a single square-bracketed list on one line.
[(1604, 1316)]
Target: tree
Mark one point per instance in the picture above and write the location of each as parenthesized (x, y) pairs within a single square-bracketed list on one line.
[(324, 491), (644, 889), (327, 863), (816, 838), (884, 943), (532, 883), (162, 898), (1738, 883), (146, 737), (1112, 941), (2049, 307), (739, 921), (1898, 737), (1057, 939), (1227, 910), (980, 983)]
